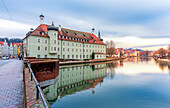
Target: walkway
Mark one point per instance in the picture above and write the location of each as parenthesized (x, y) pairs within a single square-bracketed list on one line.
[(11, 84)]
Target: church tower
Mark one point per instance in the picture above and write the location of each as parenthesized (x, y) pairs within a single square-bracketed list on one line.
[(41, 18)]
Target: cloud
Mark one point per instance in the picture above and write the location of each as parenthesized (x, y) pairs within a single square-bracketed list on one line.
[(10, 28), (143, 43)]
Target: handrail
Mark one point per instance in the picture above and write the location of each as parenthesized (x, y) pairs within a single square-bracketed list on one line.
[(38, 87)]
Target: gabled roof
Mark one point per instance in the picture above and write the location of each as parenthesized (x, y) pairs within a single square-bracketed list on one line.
[(69, 33)]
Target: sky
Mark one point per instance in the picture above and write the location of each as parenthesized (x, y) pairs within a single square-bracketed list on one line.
[(140, 24)]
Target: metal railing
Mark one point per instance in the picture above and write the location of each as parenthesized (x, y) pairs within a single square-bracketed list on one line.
[(38, 89)]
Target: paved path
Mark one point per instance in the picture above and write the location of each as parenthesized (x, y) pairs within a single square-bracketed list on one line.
[(11, 84)]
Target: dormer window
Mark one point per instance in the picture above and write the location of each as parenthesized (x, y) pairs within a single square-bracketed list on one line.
[(66, 31), (75, 33), (84, 35), (95, 41), (66, 37), (42, 33), (59, 36), (73, 38), (63, 37), (78, 39), (70, 38)]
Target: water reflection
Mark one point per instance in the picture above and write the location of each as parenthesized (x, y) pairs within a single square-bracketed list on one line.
[(75, 79), (120, 82)]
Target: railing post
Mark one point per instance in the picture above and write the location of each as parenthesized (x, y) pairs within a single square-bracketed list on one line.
[(37, 92), (31, 76)]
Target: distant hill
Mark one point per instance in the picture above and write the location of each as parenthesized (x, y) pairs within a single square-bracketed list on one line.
[(13, 40)]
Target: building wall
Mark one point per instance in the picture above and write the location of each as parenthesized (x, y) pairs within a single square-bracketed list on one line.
[(63, 48), (0, 51)]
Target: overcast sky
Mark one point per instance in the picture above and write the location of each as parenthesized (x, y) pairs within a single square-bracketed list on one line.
[(141, 24)]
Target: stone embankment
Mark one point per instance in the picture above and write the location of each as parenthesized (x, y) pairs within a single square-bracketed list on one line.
[(90, 61)]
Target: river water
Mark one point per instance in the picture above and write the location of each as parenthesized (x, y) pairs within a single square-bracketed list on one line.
[(131, 83)]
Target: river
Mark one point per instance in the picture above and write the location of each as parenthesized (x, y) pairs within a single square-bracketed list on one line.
[(131, 83)]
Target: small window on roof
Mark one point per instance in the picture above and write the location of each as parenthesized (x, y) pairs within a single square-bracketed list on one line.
[(66, 31), (42, 33), (84, 35), (75, 33)]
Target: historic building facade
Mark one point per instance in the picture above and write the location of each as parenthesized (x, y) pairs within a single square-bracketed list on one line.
[(55, 42), (7, 48)]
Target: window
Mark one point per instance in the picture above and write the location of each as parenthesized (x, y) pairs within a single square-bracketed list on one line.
[(76, 56), (42, 33), (83, 56), (58, 49), (73, 56), (80, 56), (38, 56), (68, 43), (58, 56), (72, 44), (45, 41), (38, 48), (80, 50), (68, 49), (63, 56), (51, 48), (87, 56), (45, 56), (63, 49), (54, 34), (87, 50), (80, 45), (76, 50), (76, 45), (45, 48), (58, 42), (68, 56), (54, 48), (63, 43), (54, 41), (38, 40), (73, 50)]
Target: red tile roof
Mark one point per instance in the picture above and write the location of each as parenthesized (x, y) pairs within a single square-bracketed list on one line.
[(69, 33), (16, 44), (1, 43)]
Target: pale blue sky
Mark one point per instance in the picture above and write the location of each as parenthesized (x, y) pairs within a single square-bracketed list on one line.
[(130, 23)]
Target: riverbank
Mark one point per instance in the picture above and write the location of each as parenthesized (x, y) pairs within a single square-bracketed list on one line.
[(90, 61)]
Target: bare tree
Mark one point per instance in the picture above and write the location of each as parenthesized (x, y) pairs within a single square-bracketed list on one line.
[(110, 48)]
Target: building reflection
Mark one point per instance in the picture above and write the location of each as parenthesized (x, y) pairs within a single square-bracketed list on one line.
[(138, 59), (163, 66), (74, 79)]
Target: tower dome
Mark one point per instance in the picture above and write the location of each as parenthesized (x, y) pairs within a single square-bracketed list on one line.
[(52, 27)]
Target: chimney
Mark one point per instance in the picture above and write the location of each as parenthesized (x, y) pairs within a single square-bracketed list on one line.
[(93, 30), (59, 27)]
